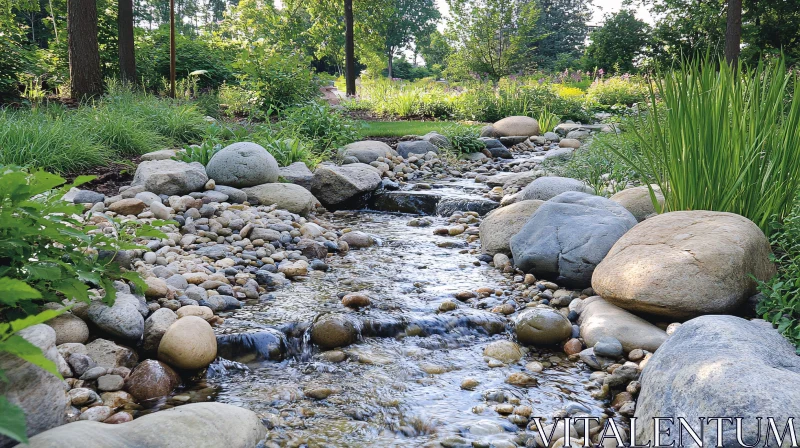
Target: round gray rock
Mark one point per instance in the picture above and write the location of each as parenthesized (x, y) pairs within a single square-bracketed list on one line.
[(367, 151), (335, 184), (170, 177), (69, 328), (517, 125), (243, 164), (406, 149), (542, 326), (290, 197), (545, 188)]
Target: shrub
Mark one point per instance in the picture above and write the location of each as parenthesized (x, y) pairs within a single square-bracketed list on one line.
[(463, 139), (616, 90), (723, 139), (324, 128), (236, 101)]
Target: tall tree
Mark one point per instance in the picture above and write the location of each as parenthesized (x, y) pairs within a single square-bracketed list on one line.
[(687, 28), (733, 31), (84, 56), (127, 57), (349, 50), (564, 25), (618, 43)]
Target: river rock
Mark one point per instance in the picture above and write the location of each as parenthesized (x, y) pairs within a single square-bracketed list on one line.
[(516, 125), (637, 201), (235, 195), (151, 379), (193, 310), (368, 151), (122, 320), (170, 177), (548, 187), (684, 264), (542, 326), (107, 354), (69, 328), (720, 366), (40, 394), (297, 173), (568, 236), (333, 330), (600, 319), (188, 344), (87, 197), (130, 206), (505, 351), (357, 239), (243, 164), (162, 154), (501, 224), (290, 197), (406, 149), (196, 424), (335, 184), (572, 143), (155, 326)]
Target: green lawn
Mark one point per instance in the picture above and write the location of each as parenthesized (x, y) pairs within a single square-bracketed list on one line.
[(401, 128)]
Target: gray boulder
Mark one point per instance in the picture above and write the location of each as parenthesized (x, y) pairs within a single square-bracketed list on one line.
[(335, 184), (439, 140), (542, 326), (297, 173), (544, 188), (501, 224), (88, 197), (122, 320), (197, 424), (496, 148), (568, 236), (235, 195), (517, 125), (559, 154), (720, 366), (291, 197), (170, 177), (41, 395), (243, 164), (599, 319), (406, 149), (155, 326), (367, 151)]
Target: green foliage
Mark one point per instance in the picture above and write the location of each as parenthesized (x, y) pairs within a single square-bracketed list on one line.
[(781, 303), (198, 153), (401, 128), (617, 90), (563, 24), (324, 128), (619, 43), (287, 150), (547, 120), (463, 139), (517, 96), (724, 139), (117, 129)]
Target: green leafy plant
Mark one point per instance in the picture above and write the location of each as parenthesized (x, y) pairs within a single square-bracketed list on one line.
[(547, 120), (616, 90), (463, 139), (322, 127), (198, 153)]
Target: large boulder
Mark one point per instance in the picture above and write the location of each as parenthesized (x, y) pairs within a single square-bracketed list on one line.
[(41, 395), (419, 147), (501, 224), (368, 151), (297, 173), (684, 264), (516, 125), (548, 187), (335, 184), (638, 201), (170, 177), (188, 344), (121, 320), (720, 366), (291, 197), (568, 236), (243, 164), (197, 424), (600, 319), (542, 326)]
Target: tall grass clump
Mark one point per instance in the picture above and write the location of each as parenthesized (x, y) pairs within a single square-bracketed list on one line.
[(38, 140), (117, 129), (723, 138)]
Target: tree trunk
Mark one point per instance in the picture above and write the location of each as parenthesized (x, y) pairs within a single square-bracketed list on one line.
[(127, 58), (349, 49), (733, 32), (172, 48), (84, 56), (390, 65)]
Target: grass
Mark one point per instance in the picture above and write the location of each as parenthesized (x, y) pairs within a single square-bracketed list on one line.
[(401, 128)]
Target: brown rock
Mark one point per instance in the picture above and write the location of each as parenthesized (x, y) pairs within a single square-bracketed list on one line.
[(131, 206), (573, 346), (119, 417), (355, 300), (521, 379), (189, 344), (151, 379)]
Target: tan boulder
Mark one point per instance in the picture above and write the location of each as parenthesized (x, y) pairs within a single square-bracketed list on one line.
[(601, 319), (189, 344), (516, 126), (290, 197), (637, 201), (501, 224)]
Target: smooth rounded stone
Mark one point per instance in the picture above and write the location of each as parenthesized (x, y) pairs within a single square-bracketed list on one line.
[(290, 197), (499, 151), (88, 197), (505, 351), (572, 143), (542, 326), (333, 330), (559, 154), (368, 151), (335, 184), (521, 379), (94, 373), (726, 366), (548, 187), (122, 320), (188, 344), (119, 417), (194, 310), (355, 300), (551, 137), (600, 319), (156, 288), (170, 177), (448, 305), (162, 154), (260, 233), (501, 224), (155, 326), (516, 125), (116, 399), (196, 424), (151, 379), (469, 383), (485, 428), (534, 366), (475, 157), (107, 354), (96, 413), (69, 329), (177, 281), (235, 195), (110, 383), (40, 394), (357, 240), (573, 346), (130, 206), (220, 303), (683, 264), (569, 236), (637, 200), (409, 148), (148, 198), (243, 164), (291, 270), (80, 396), (608, 346), (79, 362), (501, 260)]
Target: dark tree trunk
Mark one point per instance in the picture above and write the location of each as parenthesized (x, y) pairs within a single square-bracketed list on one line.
[(172, 48), (390, 66), (349, 49), (84, 56), (127, 58), (733, 32)]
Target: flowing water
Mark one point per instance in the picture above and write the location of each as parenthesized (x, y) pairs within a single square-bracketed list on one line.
[(401, 383)]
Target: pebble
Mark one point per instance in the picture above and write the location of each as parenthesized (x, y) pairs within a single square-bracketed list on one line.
[(469, 383), (96, 414), (355, 300)]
